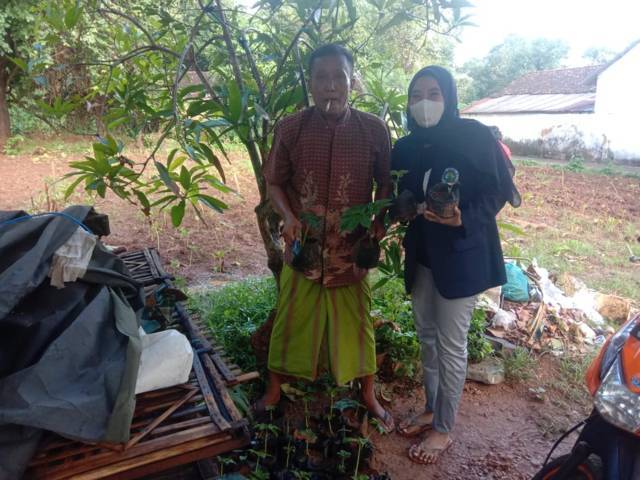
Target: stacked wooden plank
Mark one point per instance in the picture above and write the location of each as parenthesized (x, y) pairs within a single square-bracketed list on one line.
[(171, 427)]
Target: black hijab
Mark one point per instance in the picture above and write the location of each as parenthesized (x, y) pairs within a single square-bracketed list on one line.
[(464, 137)]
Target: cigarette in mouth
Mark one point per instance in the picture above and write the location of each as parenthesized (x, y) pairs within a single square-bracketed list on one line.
[(326, 109)]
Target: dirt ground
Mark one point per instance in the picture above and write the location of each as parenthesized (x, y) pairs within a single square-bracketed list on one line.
[(501, 433)]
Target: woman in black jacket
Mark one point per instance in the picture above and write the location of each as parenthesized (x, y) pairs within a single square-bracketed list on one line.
[(448, 261)]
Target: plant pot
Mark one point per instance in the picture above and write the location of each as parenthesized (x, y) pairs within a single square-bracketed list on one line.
[(442, 200), (367, 253), (404, 207), (309, 256), (284, 475)]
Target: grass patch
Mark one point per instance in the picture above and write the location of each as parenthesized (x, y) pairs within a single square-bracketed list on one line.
[(526, 161), (234, 312), (572, 370), (477, 345), (520, 366)]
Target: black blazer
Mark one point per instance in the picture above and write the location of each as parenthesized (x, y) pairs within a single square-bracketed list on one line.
[(465, 260)]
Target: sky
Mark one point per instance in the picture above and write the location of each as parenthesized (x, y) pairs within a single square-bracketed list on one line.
[(581, 23)]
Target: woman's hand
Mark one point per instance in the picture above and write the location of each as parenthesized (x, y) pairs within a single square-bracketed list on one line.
[(455, 221)]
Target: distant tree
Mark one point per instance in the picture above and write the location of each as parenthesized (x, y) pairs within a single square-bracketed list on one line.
[(511, 59), (17, 19), (598, 55)]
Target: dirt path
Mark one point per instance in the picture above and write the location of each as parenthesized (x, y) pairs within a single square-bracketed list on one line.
[(499, 434)]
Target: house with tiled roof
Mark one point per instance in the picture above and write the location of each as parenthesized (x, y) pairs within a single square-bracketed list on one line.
[(594, 108)]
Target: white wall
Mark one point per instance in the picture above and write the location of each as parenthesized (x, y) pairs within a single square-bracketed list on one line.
[(531, 126), (616, 120), (618, 105)]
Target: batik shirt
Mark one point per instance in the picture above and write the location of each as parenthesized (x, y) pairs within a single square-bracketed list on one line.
[(325, 171)]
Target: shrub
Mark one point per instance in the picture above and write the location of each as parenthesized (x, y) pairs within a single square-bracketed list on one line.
[(234, 312), (477, 345)]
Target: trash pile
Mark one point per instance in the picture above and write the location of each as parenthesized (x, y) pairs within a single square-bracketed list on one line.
[(557, 315), (72, 353)]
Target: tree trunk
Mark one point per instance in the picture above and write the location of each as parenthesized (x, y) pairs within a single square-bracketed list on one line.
[(5, 120), (269, 226), (268, 219)]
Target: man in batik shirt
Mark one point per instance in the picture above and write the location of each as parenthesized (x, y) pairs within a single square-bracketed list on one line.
[(324, 160)]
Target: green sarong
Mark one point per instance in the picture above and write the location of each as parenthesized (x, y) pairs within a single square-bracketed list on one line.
[(318, 328)]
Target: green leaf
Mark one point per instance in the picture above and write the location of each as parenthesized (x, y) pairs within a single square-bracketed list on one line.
[(213, 160), (235, 102), (172, 154), (213, 203), (177, 213), (144, 201), (215, 122), (116, 123), (101, 188), (72, 15), (381, 283), (166, 178), (288, 99), (351, 9), (166, 199), (71, 188), (20, 63), (185, 178), (183, 92), (200, 106), (176, 162)]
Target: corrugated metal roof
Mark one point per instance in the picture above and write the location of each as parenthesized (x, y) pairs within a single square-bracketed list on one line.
[(561, 80), (557, 103)]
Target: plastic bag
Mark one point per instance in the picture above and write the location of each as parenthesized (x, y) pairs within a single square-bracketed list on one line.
[(166, 360), (517, 287), (70, 261)]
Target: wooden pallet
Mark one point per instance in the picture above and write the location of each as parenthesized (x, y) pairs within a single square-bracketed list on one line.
[(171, 427)]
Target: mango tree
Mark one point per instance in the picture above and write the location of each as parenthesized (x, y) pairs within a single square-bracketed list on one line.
[(202, 72)]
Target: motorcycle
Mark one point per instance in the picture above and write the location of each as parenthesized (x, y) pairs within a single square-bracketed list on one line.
[(608, 446)]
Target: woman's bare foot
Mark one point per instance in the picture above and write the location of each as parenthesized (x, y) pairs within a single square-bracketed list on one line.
[(431, 448), (416, 424)]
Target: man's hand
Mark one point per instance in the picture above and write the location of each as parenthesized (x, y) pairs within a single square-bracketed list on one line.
[(379, 231), (455, 221), (292, 229)]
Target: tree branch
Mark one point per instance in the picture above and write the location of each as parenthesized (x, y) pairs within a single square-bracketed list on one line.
[(131, 19), (233, 58), (288, 51), (207, 85), (254, 69)]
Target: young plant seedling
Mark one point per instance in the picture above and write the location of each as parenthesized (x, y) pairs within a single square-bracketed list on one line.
[(343, 454), (303, 254), (224, 461), (361, 442), (367, 251)]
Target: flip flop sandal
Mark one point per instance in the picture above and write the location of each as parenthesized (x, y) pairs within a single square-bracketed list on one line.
[(414, 433), (386, 420), (435, 452)]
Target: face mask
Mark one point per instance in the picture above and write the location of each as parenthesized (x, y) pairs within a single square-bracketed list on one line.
[(427, 113)]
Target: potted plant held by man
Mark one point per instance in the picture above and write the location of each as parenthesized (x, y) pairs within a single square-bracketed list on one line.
[(367, 250)]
